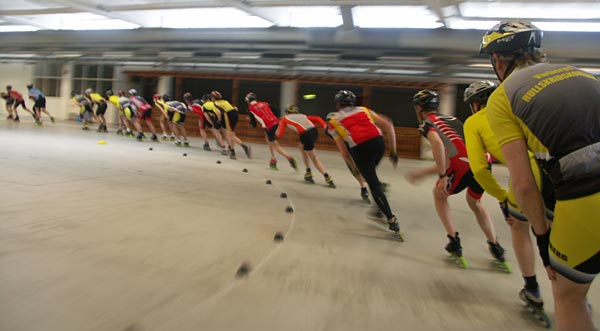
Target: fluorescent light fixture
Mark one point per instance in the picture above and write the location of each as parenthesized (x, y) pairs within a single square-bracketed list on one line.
[(593, 71), (241, 55), (401, 72), (419, 17), (568, 26), (305, 17), (18, 28), (475, 75), (309, 96), (404, 59), (80, 21), (480, 65), (117, 54), (67, 54), (315, 56), (327, 69), (461, 24), (175, 54), (17, 55), (201, 18), (565, 10)]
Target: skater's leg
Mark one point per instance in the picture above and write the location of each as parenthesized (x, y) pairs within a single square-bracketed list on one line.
[(315, 159), (219, 137), (203, 135), (443, 210), (151, 126), (483, 218), (523, 247), (280, 149), (305, 157), (570, 305)]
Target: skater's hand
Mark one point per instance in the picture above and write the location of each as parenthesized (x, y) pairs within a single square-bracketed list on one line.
[(394, 159), (413, 177)]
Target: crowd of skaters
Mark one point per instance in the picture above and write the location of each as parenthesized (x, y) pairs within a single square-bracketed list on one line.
[(554, 168)]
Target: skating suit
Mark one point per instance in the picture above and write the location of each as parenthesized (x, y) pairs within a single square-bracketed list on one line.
[(450, 130), (555, 110)]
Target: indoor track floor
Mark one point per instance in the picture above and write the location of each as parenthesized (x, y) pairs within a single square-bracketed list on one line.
[(119, 237)]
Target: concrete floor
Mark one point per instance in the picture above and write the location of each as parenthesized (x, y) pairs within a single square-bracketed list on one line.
[(118, 237)]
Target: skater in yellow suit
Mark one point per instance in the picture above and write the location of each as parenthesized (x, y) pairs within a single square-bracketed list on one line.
[(480, 140), (551, 110)]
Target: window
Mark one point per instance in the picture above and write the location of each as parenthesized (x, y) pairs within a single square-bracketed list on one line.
[(98, 77), (47, 78)]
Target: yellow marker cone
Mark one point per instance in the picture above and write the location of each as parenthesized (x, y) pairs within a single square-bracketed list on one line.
[(101, 142)]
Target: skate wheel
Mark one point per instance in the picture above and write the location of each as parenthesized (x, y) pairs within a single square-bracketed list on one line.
[(399, 236)]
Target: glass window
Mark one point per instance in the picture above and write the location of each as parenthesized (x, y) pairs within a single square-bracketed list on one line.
[(265, 91), (315, 99), (395, 104)]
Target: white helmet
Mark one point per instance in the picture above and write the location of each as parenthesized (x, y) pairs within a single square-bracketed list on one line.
[(132, 92)]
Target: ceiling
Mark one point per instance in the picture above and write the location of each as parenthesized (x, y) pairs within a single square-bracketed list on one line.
[(431, 40)]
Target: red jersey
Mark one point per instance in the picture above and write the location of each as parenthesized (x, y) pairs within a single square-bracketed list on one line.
[(16, 95), (353, 124), (299, 123), (263, 114)]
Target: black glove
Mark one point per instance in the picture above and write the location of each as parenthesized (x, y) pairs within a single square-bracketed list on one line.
[(504, 208), (543, 243), (394, 158)]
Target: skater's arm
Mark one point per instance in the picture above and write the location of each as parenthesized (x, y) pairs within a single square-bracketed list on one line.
[(281, 128), (478, 162), (439, 152)]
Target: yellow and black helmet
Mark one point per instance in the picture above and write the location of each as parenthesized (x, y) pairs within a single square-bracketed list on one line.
[(509, 37), (292, 109), (426, 98)]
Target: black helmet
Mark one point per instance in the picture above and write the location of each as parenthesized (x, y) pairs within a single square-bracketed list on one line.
[(216, 95), (426, 98), (345, 98), (8, 87), (167, 98), (250, 97), (479, 91), (74, 93), (29, 86), (187, 96), (109, 93), (511, 37), (206, 97)]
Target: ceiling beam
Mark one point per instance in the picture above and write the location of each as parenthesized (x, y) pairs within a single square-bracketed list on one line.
[(436, 8), (347, 18), (251, 10), (98, 10), (22, 21)]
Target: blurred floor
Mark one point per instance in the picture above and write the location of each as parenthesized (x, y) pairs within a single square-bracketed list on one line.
[(120, 237)]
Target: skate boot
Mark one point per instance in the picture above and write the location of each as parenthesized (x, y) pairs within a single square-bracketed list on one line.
[(206, 147), (535, 305), (140, 136), (273, 164), (232, 154), (247, 150), (154, 137), (85, 126), (394, 226), (364, 194), (308, 177), (119, 132), (293, 163), (498, 254), (172, 138), (164, 137), (376, 214), (9, 117), (178, 143), (455, 250), (129, 134), (224, 151), (100, 128), (105, 129), (186, 143), (329, 181), (52, 119), (17, 119)]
